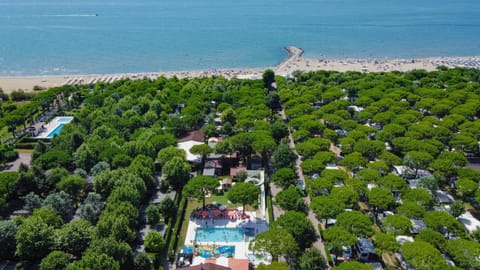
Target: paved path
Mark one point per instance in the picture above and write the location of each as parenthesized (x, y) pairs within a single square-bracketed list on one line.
[(311, 216), (24, 158), (274, 190)]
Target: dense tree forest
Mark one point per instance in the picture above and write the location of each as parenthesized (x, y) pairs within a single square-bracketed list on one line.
[(84, 190)]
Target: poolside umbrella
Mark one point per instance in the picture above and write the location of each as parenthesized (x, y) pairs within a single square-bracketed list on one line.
[(205, 214)]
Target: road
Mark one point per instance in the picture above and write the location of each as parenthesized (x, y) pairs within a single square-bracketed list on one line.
[(311, 216), (274, 190)]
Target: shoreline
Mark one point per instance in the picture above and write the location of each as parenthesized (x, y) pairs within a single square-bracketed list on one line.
[(293, 62)]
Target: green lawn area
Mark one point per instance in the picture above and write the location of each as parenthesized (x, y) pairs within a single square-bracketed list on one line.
[(221, 199), (24, 151), (191, 205), (4, 134)]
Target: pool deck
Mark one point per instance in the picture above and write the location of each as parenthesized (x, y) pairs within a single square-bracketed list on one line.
[(241, 248), (52, 125)]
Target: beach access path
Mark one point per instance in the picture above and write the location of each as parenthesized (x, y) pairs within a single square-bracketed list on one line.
[(311, 216)]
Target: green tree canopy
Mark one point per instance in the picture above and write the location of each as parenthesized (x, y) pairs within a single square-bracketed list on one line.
[(47, 215), (432, 237), (8, 230), (177, 171), (56, 260), (312, 259), (95, 262), (411, 209), (356, 223), (465, 253), (422, 255), (34, 239), (244, 193), (346, 195), (337, 237), (199, 186), (397, 225), (466, 187), (290, 199), (352, 265), (381, 198), (154, 242), (152, 214), (418, 195), (142, 261), (417, 160), (442, 222), (283, 157), (277, 242), (284, 177), (299, 226), (326, 207), (72, 185), (273, 266), (386, 242), (354, 161), (74, 237), (167, 153)]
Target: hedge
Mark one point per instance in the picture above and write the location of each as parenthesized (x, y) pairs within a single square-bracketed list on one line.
[(172, 249), (271, 218)]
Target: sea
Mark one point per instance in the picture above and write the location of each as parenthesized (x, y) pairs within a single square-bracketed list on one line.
[(56, 37)]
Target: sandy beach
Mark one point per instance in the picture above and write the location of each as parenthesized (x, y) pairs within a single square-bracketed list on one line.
[(292, 63)]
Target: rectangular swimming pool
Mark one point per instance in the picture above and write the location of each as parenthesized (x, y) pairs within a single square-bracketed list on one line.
[(55, 132), (64, 119), (219, 235)]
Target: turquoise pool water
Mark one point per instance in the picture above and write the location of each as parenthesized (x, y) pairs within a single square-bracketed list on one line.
[(209, 251), (219, 235), (55, 132), (64, 120)]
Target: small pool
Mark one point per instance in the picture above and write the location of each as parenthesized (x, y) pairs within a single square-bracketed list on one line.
[(219, 235), (55, 132), (210, 251), (64, 119)]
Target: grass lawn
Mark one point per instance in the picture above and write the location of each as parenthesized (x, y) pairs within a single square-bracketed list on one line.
[(191, 205), (24, 151), (4, 133)]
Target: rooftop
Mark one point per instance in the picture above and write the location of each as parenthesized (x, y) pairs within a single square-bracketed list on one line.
[(196, 135), (469, 221)]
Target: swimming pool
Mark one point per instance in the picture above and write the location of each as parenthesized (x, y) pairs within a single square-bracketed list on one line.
[(219, 235), (209, 251), (64, 119), (56, 131)]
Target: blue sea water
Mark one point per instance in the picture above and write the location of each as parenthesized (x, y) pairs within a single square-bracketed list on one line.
[(52, 37)]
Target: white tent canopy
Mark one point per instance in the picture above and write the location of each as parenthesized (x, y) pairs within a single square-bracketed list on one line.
[(186, 147)]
